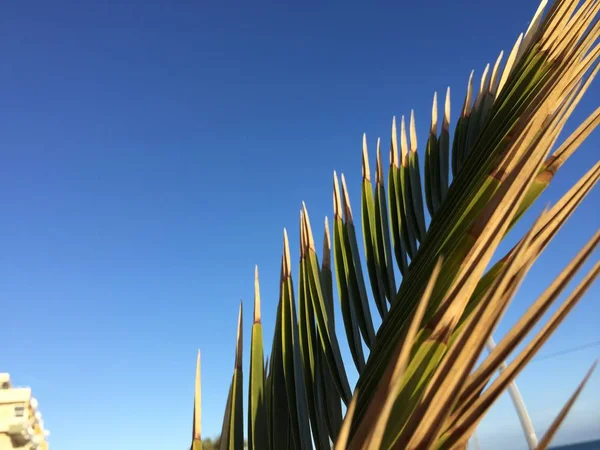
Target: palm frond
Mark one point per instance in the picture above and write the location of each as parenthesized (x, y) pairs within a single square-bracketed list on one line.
[(420, 384)]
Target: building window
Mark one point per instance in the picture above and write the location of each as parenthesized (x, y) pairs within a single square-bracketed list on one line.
[(19, 411)]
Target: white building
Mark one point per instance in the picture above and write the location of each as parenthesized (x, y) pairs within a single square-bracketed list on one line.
[(21, 423)]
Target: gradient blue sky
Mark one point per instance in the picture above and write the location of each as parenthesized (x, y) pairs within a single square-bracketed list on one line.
[(152, 153)]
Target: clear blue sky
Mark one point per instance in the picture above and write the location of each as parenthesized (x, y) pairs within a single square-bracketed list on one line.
[(152, 153)]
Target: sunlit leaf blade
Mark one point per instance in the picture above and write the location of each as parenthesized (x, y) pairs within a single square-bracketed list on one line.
[(519, 121), (279, 415), (427, 368), (529, 164), (463, 426), (417, 398), (510, 63), (553, 163), (533, 26), (574, 140), (566, 149), (564, 208), (460, 133), (444, 149), (432, 165), (342, 441), (416, 189), (409, 216), (321, 405), (226, 427), (543, 232), (382, 234), (268, 399), (326, 277), (413, 381), (488, 89), (236, 427), (308, 350), (400, 367), (478, 380), (547, 438), (292, 362), (329, 399), (483, 374), (343, 272), (332, 400), (477, 118), (518, 402), (375, 255), (356, 281), (493, 85), (325, 324), (197, 422), (372, 428), (397, 166), (395, 204), (257, 411), (232, 433), (434, 407)]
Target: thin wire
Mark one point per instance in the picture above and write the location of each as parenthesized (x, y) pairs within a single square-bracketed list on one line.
[(567, 351)]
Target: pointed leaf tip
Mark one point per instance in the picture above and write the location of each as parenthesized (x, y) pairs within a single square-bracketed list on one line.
[(446, 122), (494, 76), (366, 170), (413, 132), (394, 145), (198, 370), (548, 437), (512, 56), (308, 229), (347, 207), (197, 424), (403, 143), (337, 200), (256, 296), (326, 246), (434, 115), (484, 78), (468, 98), (286, 269), (286, 255), (198, 365), (304, 234), (239, 341), (379, 167)]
